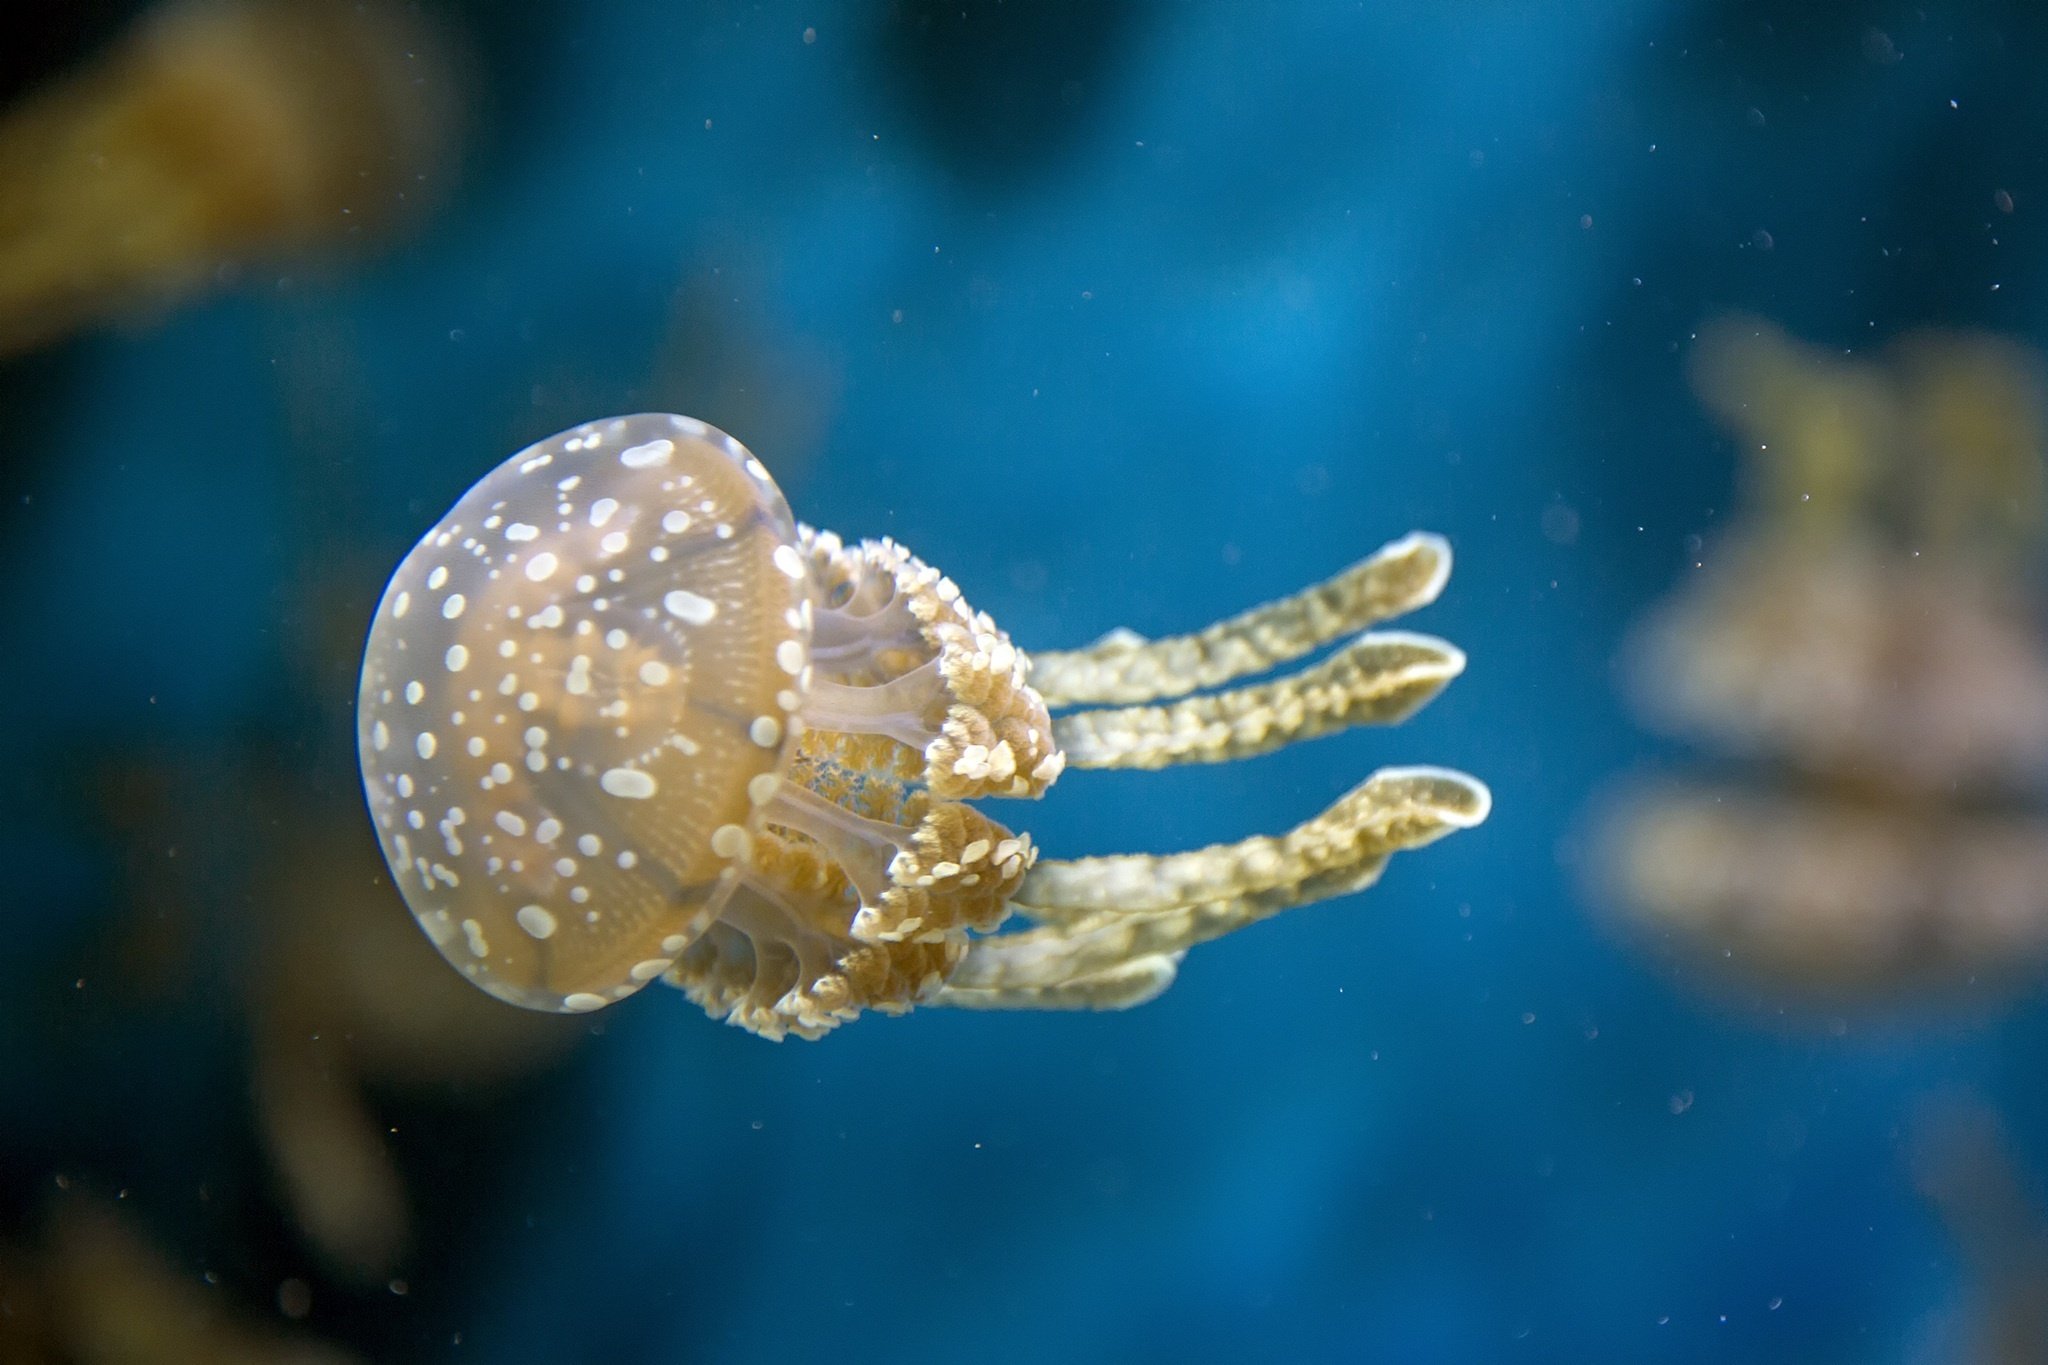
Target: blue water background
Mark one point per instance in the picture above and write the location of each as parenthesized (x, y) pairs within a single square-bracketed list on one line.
[(1166, 310)]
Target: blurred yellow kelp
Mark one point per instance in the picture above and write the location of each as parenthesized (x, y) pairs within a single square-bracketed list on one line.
[(218, 132), (1861, 656)]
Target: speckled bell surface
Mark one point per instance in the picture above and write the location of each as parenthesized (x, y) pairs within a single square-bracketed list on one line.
[(557, 739)]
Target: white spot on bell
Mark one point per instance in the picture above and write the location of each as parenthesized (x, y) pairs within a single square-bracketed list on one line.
[(630, 783), (647, 454), (541, 566), (688, 606)]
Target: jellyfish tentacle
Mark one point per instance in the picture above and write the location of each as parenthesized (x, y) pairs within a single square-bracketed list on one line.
[(1413, 806), (1062, 953), (1394, 809), (1124, 667), (1380, 678), (1126, 985)]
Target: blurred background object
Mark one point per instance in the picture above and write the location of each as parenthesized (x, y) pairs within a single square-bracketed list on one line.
[(99, 1293), (217, 134), (1865, 647)]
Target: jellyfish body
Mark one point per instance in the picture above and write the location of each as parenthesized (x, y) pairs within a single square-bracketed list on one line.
[(623, 719)]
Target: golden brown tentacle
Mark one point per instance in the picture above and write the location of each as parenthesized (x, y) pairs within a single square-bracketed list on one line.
[(1377, 679), (1123, 986), (1123, 667), (1107, 924), (1395, 808), (1061, 954)]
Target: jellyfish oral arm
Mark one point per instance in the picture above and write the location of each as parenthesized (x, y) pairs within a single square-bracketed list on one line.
[(1132, 982), (1380, 678), (1099, 917), (1394, 809), (1400, 577)]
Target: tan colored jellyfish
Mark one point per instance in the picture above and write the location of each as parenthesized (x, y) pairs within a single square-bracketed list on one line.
[(623, 719)]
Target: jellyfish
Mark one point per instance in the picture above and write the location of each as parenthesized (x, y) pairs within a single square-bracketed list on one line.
[(623, 719)]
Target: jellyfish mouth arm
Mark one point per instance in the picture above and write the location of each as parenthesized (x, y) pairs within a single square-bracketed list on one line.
[(1123, 667), (1056, 961), (1394, 809), (863, 848), (896, 652), (1098, 917), (1379, 678), (1128, 984), (902, 708)]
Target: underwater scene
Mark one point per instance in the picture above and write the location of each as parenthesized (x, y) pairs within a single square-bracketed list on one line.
[(1094, 681)]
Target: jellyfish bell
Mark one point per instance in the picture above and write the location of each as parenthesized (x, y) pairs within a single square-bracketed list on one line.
[(623, 719), (558, 737), (582, 700)]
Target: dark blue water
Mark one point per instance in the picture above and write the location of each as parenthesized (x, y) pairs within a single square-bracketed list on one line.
[(1130, 314)]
